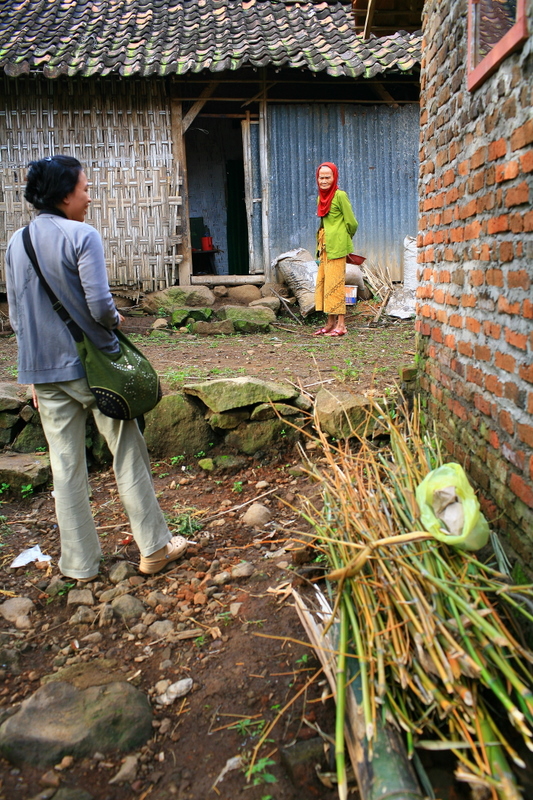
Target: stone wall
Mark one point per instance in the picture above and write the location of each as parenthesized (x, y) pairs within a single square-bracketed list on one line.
[(475, 309)]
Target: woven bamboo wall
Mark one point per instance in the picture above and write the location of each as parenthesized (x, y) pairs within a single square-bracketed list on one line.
[(120, 130)]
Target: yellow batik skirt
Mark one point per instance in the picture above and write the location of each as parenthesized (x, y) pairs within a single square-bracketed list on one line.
[(330, 294)]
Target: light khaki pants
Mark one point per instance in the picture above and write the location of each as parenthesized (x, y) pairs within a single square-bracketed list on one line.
[(63, 408)]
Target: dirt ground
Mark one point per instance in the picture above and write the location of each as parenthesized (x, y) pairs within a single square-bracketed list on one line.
[(242, 643)]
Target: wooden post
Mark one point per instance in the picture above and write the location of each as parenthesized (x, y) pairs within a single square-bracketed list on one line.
[(180, 159)]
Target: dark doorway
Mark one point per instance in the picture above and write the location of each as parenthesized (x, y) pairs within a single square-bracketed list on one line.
[(236, 219)]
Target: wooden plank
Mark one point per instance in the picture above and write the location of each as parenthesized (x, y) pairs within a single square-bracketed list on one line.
[(180, 161), (226, 280), (192, 113)]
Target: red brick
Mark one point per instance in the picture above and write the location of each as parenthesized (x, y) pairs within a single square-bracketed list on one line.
[(444, 276), (494, 440), (477, 277), (493, 385), (515, 339), (526, 372), (473, 230), (530, 405), (506, 252), (527, 309), (463, 168), (526, 162), (521, 489), (505, 361), (436, 335), (449, 254), (506, 422), (507, 172), (439, 296), (491, 329), (465, 349), (474, 375), (525, 434), (498, 224), (468, 300), (497, 149), (467, 210), (479, 157), (518, 279), (516, 223), (482, 352), (459, 410), (457, 234), (522, 136), (456, 321), (449, 341), (448, 177), (442, 316), (482, 404), (507, 308), (494, 277), (517, 195), (472, 325)]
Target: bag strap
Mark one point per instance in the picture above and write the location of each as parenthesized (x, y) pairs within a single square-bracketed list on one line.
[(74, 328)]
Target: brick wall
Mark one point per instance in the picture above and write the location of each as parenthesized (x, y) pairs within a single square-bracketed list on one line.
[(475, 301)]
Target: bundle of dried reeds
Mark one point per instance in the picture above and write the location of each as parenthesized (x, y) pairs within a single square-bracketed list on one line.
[(431, 626)]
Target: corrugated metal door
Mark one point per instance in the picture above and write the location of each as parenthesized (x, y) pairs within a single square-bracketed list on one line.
[(256, 190), (376, 151)]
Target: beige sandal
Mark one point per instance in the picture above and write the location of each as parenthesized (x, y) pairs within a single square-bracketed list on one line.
[(170, 552)]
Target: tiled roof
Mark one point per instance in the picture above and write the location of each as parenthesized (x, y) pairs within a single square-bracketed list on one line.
[(163, 37)]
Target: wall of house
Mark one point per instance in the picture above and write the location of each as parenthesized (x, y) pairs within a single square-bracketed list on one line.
[(121, 132), (475, 309), (375, 149)]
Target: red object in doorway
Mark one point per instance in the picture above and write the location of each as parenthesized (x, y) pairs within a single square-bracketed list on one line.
[(207, 242)]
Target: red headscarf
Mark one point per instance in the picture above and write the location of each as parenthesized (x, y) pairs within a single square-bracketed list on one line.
[(325, 196)]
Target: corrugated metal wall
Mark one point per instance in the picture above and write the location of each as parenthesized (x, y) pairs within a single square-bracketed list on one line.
[(376, 151)]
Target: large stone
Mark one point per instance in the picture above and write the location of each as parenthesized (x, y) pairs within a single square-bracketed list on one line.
[(279, 288), (167, 300), (180, 315), (342, 414), (270, 411), (257, 515), (15, 607), (10, 660), (226, 420), (99, 672), (30, 439), (224, 394), (176, 427), (223, 327), (250, 437), (17, 470), (127, 607), (246, 319), (244, 294), (267, 302), (60, 720), (9, 398), (8, 420)]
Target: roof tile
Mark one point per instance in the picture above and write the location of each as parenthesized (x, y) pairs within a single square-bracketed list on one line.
[(146, 37)]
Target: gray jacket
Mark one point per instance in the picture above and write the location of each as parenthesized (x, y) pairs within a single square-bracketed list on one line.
[(71, 258)]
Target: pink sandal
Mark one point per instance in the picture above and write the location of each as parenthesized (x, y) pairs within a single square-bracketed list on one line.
[(321, 331), (336, 332)]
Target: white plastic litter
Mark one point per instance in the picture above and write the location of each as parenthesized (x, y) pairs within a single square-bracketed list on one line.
[(27, 556)]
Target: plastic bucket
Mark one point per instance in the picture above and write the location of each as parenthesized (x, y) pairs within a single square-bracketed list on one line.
[(350, 295), (207, 243)]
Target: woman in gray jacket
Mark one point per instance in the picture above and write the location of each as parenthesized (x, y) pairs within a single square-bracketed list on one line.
[(71, 258)]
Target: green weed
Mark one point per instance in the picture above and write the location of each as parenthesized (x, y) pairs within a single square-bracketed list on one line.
[(237, 487)]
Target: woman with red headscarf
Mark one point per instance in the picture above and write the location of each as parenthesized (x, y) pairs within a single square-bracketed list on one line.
[(334, 241)]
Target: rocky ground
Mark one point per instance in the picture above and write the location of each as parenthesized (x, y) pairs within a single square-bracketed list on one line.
[(222, 617)]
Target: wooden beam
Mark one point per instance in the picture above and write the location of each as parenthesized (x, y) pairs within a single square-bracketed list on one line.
[(180, 160), (226, 280), (385, 95), (200, 103), (369, 18)]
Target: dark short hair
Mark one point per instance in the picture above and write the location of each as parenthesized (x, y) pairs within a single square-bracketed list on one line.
[(50, 180)]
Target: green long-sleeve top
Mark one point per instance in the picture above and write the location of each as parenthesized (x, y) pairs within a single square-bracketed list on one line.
[(340, 225)]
